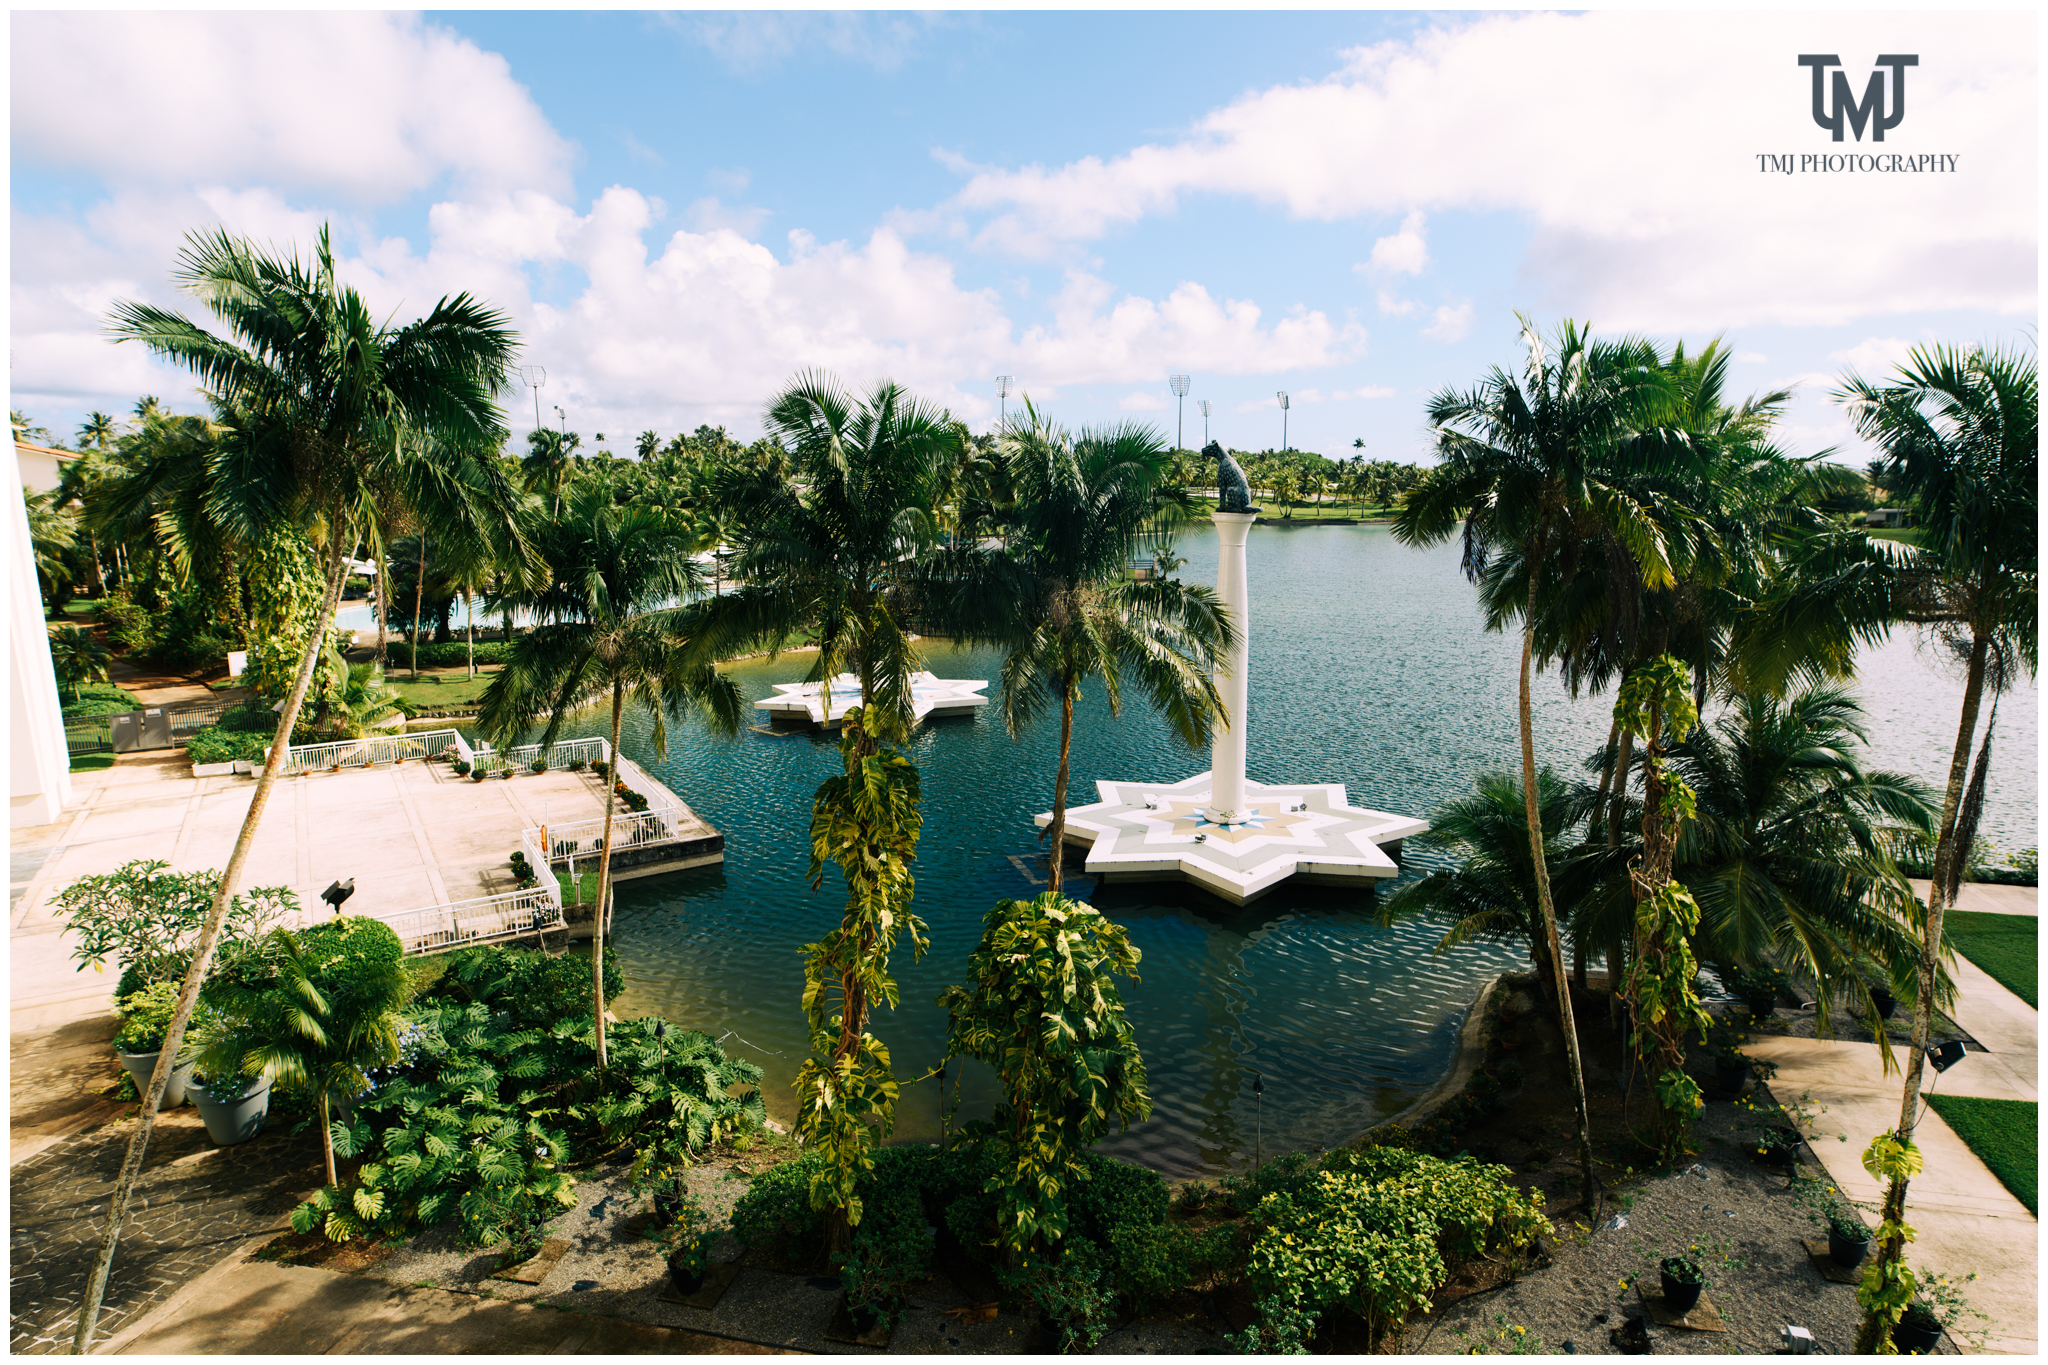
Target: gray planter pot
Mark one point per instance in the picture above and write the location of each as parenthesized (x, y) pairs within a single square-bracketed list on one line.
[(142, 1065), (236, 1120)]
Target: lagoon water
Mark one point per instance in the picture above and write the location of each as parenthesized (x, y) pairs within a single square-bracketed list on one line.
[(1370, 667)]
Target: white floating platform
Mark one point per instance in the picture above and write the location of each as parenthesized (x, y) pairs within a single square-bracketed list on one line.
[(1151, 831), (929, 696)]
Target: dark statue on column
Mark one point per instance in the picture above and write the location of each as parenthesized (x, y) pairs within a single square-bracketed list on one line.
[(1233, 494)]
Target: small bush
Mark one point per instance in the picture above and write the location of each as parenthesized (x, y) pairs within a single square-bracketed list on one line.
[(216, 744), (146, 1017), (1154, 1264), (461, 768), (775, 1216)]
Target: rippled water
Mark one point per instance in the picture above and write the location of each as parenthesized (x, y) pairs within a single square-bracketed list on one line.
[(1369, 667)]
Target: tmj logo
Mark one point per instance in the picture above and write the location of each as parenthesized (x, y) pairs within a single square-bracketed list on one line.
[(1847, 109)]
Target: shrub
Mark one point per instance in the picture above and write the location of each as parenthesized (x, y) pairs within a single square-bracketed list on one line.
[(146, 1017), (128, 625), (149, 917), (1375, 1230), (1282, 1175), (890, 1252), (1073, 1286), (100, 699), (461, 768), (451, 653), (534, 989), (1154, 1264), (217, 744), (775, 1216)]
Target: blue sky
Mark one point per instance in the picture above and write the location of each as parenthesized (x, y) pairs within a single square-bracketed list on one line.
[(679, 211)]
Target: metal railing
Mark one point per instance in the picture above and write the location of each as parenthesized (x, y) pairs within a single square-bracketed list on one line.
[(486, 919), (370, 751), (585, 838), (636, 780), (560, 755)]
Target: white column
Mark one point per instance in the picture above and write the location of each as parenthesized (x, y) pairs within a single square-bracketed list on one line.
[(1226, 752), (38, 763)]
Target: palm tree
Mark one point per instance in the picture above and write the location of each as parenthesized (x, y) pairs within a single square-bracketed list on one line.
[(1489, 893), (1059, 596), (614, 624), (1959, 432), (333, 409), (828, 548), (1519, 458), (79, 658), (321, 1035)]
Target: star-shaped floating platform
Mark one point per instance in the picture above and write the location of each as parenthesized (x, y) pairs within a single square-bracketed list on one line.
[(1149, 831), (929, 696)]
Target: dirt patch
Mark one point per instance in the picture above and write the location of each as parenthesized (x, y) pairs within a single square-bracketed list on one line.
[(313, 1249)]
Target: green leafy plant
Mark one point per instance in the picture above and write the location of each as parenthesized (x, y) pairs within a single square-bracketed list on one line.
[(1041, 1006), (1375, 1232), (145, 1016), (675, 1098), (1073, 1286), (1888, 1284), (685, 1238), (78, 658), (1155, 1263), (149, 917), (1683, 1270), (460, 768)]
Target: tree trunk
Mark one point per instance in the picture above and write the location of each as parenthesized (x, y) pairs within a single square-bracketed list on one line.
[(1545, 911), (209, 939), (1893, 1249), (327, 1140), (604, 873), (419, 593), (383, 605), (1056, 832), (1598, 825), (469, 646), (1617, 951)]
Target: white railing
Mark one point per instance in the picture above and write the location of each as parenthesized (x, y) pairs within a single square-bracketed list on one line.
[(585, 838), (560, 755), (369, 751), (487, 919), (636, 780)]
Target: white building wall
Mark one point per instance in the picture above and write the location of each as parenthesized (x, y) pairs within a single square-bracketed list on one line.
[(38, 766)]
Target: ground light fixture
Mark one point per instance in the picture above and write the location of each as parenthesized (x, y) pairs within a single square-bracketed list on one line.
[(1948, 1054), (337, 892), (1259, 1123), (1179, 384), (1798, 1341)]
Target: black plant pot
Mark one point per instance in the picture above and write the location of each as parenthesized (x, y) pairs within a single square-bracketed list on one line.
[(1052, 1334), (1915, 1340), (666, 1207), (1783, 1153), (686, 1280), (1679, 1296), (1885, 1001), (1729, 1080), (865, 1317), (1761, 1006), (1846, 1253)]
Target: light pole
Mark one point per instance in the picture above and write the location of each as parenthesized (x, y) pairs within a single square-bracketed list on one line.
[(561, 419), (1284, 405), (1179, 384), (533, 376), (1003, 383), (1203, 405)]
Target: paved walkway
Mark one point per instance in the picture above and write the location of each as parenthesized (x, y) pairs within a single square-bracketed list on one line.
[(245, 1307), (195, 1203), (1965, 1219), (1989, 897)]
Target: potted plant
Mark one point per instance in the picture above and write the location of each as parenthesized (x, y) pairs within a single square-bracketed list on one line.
[(478, 775), (539, 765), (1682, 1281), (682, 1238), (461, 768), (1759, 987), (1731, 1072), (600, 767), (1883, 1001), (1778, 1146), (233, 1106), (1918, 1330), (1848, 1239), (145, 1019), (577, 765)]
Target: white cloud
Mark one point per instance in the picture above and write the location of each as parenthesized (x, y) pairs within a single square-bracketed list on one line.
[(1142, 400), (1451, 324), (1751, 358), (363, 107), (754, 41), (1393, 307), (709, 215), (700, 325), (1664, 222), (1874, 357), (1404, 253), (1370, 391)]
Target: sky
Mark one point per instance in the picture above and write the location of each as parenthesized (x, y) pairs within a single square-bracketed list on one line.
[(680, 212)]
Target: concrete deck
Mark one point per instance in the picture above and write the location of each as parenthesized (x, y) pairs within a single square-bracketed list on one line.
[(1965, 1219)]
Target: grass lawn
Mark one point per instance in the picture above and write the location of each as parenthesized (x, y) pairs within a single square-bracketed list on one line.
[(1328, 511), (2005, 1135), (1909, 535), (2003, 945), (589, 880), (91, 763), (441, 689)]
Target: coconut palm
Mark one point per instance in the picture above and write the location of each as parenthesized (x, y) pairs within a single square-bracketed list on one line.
[(614, 626), (828, 549), (1489, 891), (1059, 596), (78, 657), (1520, 457), (1959, 433), (333, 409)]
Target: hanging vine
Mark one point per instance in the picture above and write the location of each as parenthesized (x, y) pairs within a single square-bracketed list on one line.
[(1656, 701), (867, 821)]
